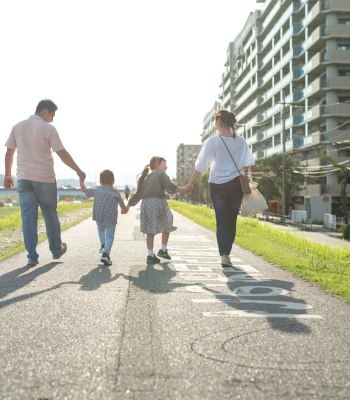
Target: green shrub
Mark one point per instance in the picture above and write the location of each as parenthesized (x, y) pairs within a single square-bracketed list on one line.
[(346, 232)]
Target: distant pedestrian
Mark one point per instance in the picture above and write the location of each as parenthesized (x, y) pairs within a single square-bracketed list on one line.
[(127, 192), (105, 211), (224, 185), (35, 140), (156, 216)]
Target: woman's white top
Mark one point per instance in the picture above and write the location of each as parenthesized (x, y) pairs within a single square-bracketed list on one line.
[(214, 155)]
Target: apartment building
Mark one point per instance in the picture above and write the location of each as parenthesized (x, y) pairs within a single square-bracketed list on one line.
[(288, 71), (186, 156)]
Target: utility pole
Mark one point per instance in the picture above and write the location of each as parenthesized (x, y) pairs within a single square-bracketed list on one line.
[(284, 197)]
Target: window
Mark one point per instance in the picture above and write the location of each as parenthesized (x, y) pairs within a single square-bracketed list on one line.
[(344, 153), (344, 47), (344, 72), (344, 21), (344, 99)]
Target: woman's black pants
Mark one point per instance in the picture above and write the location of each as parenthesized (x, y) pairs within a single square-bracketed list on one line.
[(226, 198)]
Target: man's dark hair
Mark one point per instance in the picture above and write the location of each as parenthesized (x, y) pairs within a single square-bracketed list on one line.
[(46, 104), (106, 177)]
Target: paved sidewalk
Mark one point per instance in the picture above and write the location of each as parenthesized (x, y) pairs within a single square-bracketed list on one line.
[(184, 329), (317, 234)]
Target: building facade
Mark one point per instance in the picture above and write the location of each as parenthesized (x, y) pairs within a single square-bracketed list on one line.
[(186, 156), (287, 78)]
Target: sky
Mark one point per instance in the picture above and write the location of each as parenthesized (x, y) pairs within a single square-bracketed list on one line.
[(131, 79)]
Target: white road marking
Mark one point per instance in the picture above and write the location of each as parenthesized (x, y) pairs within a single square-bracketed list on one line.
[(288, 305), (257, 314)]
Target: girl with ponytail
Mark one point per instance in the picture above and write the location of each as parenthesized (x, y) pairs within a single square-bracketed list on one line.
[(156, 216), (224, 184)]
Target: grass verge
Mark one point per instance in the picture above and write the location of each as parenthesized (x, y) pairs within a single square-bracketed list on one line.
[(10, 223), (324, 265)]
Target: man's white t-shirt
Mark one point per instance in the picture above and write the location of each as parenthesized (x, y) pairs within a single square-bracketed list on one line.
[(35, 140), (215, 156)]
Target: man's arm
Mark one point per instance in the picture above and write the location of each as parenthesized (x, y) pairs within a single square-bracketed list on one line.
[(8, 181), (68, 160)]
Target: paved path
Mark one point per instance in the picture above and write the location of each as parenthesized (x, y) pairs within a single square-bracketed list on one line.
[(316, 234), (181, 330)]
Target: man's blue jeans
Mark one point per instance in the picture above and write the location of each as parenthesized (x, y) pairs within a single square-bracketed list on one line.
[(31, 195), (106, 235), (226, 198)]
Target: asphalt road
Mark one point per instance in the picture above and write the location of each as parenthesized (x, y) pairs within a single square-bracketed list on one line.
[(184, 329)]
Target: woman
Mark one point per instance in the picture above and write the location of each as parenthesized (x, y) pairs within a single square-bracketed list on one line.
[(225, 189)]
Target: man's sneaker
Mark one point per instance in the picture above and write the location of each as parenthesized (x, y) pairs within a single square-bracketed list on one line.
[(62, 251), (32, 263), (105, 259), (102, 249), (225, 261), (153, 259), (164, 254)]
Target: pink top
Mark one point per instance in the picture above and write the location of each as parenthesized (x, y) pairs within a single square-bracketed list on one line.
[(35, 140)]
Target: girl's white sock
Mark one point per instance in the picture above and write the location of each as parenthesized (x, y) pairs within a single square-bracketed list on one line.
[(164, 247), (150, 252)]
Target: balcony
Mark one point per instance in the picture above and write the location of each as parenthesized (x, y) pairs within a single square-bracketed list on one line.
[(336, 5), (312, 140), (337, 30), (338, 110), (336, 57), (337, 83), (314, 87)]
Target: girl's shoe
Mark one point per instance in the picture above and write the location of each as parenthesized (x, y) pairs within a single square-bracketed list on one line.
[(102, 249), (152, 259), (105, 259), (164, 254), (225, 261)]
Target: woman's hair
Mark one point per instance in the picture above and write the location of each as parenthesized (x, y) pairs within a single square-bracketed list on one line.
[(228, 118), (155, 161), (106, 177)]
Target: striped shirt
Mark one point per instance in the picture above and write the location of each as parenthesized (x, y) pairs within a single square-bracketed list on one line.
[(106, 200), (214, 155)]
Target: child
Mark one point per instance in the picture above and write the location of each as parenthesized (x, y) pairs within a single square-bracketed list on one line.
[(105, 211), (156, 216)]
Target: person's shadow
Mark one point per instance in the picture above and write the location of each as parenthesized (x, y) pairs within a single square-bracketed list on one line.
[(155, 278), (21, 277), (95, 278), (254, 295)]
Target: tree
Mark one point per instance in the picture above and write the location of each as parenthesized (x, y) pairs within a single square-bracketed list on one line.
[(269, 177), (344, 178)]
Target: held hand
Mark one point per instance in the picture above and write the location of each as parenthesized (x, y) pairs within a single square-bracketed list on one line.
[(189, 188), (8, 182), (82, 175)]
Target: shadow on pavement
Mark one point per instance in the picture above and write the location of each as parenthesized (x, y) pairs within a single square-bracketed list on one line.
[(253, 295), (155, 279), (18, 279)]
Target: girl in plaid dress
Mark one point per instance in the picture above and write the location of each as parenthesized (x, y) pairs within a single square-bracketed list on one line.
[(156, 216)]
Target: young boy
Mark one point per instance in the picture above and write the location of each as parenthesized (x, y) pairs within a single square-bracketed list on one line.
[(105, 211)]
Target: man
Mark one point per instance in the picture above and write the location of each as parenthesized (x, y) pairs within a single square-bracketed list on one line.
[(35, 140)]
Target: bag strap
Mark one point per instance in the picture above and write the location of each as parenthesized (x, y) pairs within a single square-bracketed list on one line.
[(223, 141)]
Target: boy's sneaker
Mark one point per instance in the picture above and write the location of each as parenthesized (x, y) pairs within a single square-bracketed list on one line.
[(153, 259), (105, 259), (164, 254), (225, 261), (102, 249)]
